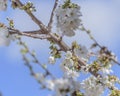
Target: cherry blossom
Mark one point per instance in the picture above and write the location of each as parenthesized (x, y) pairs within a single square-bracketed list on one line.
[(3, 5), (51, 60), (68, 19), (67, 66), (63, 87), (92, 87), (81, 51), (4, 36)]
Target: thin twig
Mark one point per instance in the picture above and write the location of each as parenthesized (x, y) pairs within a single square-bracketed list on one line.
[(35, 60), (32, 72), (52, 15), (100, 46), (33, 34), (33, 17)]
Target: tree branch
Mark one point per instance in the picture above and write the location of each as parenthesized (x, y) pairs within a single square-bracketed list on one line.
[(57, 40), (52, 15), (33, 34), (30, 32)]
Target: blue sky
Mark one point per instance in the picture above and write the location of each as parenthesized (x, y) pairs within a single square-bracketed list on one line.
[(100, 16)]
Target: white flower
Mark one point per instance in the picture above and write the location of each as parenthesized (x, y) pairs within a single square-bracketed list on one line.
[(68, 68), (114, 57), (40, 77), (68, 55), (68, 62), (4, 38), (51, 60), (68, 32), (104, 79), (50, 84), (92, 87), (85, 69), (63, 86), (3, 5), (106, 70), (68, 19), (71, 74), (58, 85), (75, 85), (81, 52)]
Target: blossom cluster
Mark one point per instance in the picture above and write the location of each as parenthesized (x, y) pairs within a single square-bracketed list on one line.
[(68, 18), (92, 87), (68, 66), (3, 5), (63, 87)]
